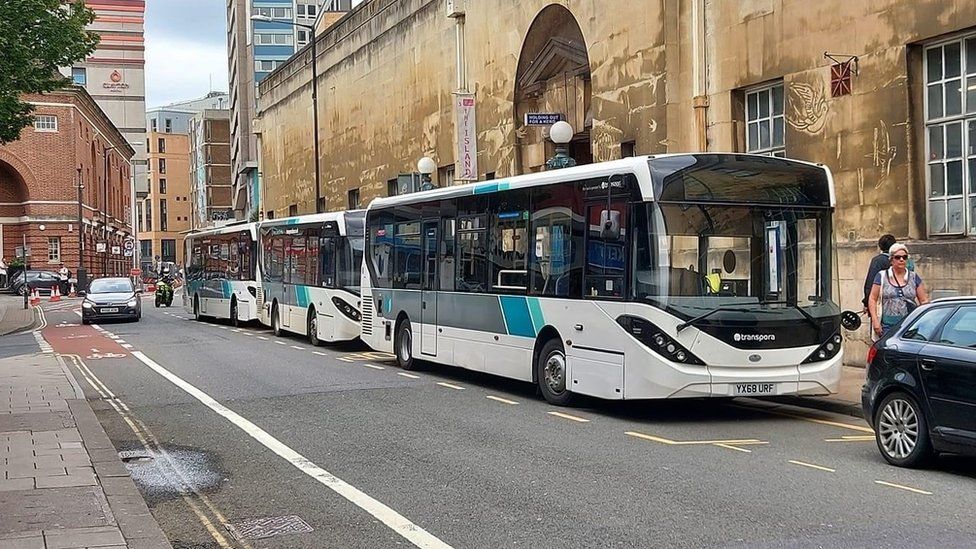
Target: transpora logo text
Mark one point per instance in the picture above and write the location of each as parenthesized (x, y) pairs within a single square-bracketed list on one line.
[(754, 337)]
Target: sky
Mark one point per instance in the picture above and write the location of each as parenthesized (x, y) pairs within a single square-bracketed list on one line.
[(186, 49)]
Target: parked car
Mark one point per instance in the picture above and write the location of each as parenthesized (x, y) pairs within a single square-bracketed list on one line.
[(41, 280), (920, 391), (111, 299)]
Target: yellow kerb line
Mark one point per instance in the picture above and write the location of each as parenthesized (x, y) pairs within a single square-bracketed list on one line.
[(569, 417), (812, 466), (450, 386), (851, 438), (807, 418), (500, 399), (900, 487), (669, 442)]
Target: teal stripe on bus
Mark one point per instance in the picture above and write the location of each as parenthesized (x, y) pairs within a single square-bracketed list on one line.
[(535, 311), (489, 188), (517, 316), (301, 295)]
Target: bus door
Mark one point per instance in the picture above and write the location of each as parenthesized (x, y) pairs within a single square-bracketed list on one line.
[(428, 300)]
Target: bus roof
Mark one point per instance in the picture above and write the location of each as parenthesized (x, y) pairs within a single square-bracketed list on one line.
[(636, 165), (252, 228), (339, 217)]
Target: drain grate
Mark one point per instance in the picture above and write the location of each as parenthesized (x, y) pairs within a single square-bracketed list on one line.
[(129, 456), (269, 527)]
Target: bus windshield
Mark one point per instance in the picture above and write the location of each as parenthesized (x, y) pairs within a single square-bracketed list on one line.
[(693, 258), (350, 263)]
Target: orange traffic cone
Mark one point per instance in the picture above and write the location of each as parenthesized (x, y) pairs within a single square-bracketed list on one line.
[(55, 294), (35, 297), (71, 291)]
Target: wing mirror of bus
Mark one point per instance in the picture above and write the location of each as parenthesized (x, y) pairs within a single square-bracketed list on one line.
[(609, 224)]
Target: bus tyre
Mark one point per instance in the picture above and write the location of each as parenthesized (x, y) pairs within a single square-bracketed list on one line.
[(902, 432), (234, 321), (403, 346), (275, 321), (196, 309), (551, 373), (313, 328)]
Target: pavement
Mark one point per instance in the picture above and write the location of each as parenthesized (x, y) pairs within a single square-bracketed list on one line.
[(62, 483), (13, 316)]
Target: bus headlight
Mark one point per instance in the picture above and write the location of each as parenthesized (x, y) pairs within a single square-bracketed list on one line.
[(346, 309), (826, 351), (657, 340)]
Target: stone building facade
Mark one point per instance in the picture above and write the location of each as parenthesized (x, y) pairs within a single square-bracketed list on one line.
[(71, 141), (211, 180), (884, 93), (165, 212)]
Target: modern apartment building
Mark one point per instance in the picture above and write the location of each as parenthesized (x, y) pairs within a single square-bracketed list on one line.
[(210, 168), (114, 74), (255, 48), (164, 214)]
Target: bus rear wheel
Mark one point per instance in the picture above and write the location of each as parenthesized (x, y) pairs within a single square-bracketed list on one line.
[(234, 320), (196, 309), (403, 346), (275, 320), (551, 374)]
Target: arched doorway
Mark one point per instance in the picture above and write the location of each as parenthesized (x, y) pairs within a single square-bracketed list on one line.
[(13, 195), (553, 76)]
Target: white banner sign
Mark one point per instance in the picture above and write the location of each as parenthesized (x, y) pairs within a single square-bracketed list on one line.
[(467, 140), (100, 247)]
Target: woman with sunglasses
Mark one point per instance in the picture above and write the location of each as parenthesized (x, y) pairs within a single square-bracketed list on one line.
[(896, 292)]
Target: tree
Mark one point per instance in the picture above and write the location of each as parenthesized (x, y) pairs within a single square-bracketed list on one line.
[(36, 38)]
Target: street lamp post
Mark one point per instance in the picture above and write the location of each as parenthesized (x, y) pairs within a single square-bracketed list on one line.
[(315, 98), (80, 272), (561, 134), (426, 166)]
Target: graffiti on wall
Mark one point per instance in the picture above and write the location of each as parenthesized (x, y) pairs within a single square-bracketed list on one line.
[(883, 153), (806, 106)]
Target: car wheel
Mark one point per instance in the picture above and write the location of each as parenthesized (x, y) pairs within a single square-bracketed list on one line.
[(235, 322), (313, 328), (403, 346), (275, 321), (551, 374), (902, 431)]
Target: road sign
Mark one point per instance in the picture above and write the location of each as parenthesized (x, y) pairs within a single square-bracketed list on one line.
[(116, 250), (542, 118), (100, 247), (129, 245), (135, 272)]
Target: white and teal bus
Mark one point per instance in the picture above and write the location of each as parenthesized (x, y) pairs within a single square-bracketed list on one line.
[(690, 275), (220, 269), (310, 269)]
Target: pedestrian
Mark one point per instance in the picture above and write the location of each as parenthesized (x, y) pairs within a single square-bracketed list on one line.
[(896, 292), (879, 263), (4, 275), (63, 275)]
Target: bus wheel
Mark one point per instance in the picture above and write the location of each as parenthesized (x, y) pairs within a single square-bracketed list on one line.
[(551, 372), (196, 308), (234, 321), (275, 321), (403, 346), (313, 328)]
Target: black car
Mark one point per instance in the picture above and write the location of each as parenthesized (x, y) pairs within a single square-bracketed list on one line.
[(41, 280), (920, 391), (111, 299)]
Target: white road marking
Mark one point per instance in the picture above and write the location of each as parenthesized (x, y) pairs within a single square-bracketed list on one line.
[(126, 346), (450, 386), (500, 399), (395, 521), (373, 366), (297, 347), (900, 487), (812, 466), (411, 376), (569, 417), (313, 352), (262, 337), (736, 448), (280, 342)]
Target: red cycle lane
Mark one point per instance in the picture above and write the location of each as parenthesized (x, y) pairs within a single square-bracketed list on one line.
[(68, 336)]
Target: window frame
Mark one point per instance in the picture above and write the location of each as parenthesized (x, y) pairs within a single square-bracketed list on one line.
[(778, 151), (46, 123), (966, 118), (54, 249)]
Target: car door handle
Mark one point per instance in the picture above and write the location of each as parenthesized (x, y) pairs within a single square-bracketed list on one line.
[(928, 364)]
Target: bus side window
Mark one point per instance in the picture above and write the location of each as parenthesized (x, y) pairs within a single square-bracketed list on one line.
[(556, 246), (327, 253)]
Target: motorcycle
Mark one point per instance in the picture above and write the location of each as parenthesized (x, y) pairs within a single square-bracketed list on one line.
[(164, 292)]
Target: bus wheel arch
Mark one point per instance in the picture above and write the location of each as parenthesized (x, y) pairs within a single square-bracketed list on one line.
[(196, 307), (546, 334), (403, 342)]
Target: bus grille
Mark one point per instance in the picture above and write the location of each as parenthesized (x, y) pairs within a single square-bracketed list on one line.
[(367, 310)]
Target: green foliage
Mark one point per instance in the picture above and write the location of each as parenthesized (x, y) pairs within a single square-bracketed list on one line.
[(36, 38)]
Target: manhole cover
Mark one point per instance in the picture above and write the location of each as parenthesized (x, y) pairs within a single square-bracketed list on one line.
[(268, 527)]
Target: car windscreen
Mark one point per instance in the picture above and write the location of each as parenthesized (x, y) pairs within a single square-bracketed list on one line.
[(111, 286)]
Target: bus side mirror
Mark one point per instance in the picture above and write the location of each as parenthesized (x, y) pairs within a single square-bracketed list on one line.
[(609, 224)]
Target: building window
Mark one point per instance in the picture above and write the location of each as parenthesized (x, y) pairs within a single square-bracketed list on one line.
[(168, 251), (53, 249), (162, 165), (139, 215), (764, 121), (162, 186), (161, 143), (145, 250), (46, 123), (149, 225), (445, 176), (391, 187), (281, 13), (163, 216), (168, 125), (79, 75), (302, 37), (353, 199), (153, 125), (293, 210), (950, 128)]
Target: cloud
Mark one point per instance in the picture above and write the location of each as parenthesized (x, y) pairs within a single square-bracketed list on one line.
[(178, 69)]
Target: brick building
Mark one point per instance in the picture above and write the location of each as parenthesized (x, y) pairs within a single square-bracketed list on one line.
[(211, 184), (71, 139)]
